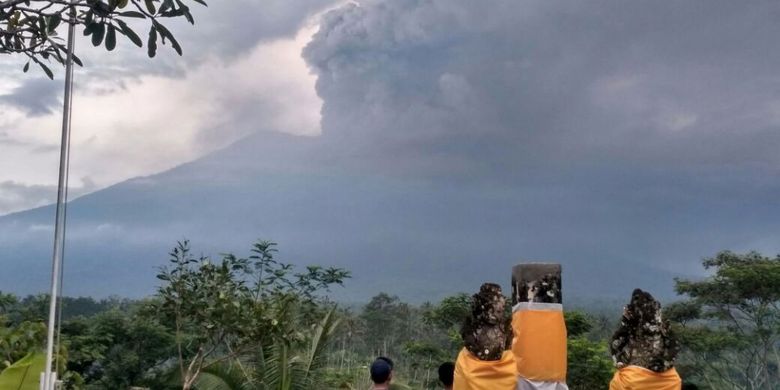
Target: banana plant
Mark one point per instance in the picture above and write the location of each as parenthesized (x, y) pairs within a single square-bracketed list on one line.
[(24, 374), (283, 365)]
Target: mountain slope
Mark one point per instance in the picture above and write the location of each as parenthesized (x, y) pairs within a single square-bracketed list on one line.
[(412, 235)]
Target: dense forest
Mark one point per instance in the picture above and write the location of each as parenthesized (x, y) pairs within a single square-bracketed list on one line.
[(255, 323)]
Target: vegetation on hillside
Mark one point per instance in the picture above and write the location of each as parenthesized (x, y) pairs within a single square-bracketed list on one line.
[(256, 323)]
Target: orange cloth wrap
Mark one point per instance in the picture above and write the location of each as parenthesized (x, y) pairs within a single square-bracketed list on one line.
[(539, 344), (474, 374), (640, 378)]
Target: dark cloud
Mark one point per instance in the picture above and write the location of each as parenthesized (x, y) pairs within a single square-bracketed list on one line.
[(626, 139), (494, 86), (35, 97), (623, 124)]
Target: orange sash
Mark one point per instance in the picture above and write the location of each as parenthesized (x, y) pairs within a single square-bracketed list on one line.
[(640, 378), (474, 374)]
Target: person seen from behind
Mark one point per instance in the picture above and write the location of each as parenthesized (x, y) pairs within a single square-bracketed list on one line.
[(446, 374), (381, 373)]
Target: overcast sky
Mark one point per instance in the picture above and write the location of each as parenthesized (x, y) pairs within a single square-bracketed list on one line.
[(242, 72), (654, 116)]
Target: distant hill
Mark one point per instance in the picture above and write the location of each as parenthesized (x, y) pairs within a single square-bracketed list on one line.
[(417, 237)]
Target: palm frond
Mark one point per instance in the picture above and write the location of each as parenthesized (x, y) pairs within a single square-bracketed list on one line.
[(319, 340), (222, 377)]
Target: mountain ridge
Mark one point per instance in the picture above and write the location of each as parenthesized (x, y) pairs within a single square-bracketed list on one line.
[(412, 236)]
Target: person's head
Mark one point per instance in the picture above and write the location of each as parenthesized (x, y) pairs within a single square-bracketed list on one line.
[(689, 386), (386, 359), (381, 370), (446, 374)]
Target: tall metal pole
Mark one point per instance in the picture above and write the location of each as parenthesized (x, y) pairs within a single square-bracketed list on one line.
[(59, 223)]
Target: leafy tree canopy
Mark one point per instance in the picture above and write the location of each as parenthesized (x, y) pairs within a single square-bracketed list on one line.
[(227, 307), (730, 327), (30, 27)]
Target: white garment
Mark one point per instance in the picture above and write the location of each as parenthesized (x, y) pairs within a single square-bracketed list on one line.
[(525, 384)]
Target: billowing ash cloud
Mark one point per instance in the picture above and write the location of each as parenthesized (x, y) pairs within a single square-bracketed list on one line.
[(501, 85), (458, 138), (235, 27), (617, 126)]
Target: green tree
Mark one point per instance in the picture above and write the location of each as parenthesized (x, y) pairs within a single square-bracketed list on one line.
[(577, 323), (589, 363), (387, 324), (223, 310), (422, 357), (7, 301), (32, 308), (450, 312), (730, 326), (30, 27), (18, 340), (447, 318), (117, 349), (590, 366), (22, 336)]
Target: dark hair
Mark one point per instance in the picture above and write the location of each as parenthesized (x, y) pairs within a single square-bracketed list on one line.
[(689, 386), (381, 369), (447, 373), (386, 359)]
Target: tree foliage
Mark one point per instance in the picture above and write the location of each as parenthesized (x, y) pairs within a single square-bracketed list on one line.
[(256, 323), (7, 301), (589, 363), (590, 366), (222, 310), (387, 323), (730, 326), (23, 374), (118, 349), (18, 337), (450, 312), (278, 366), (447, 319), (577, 323), (16, 341), (31, 27)]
